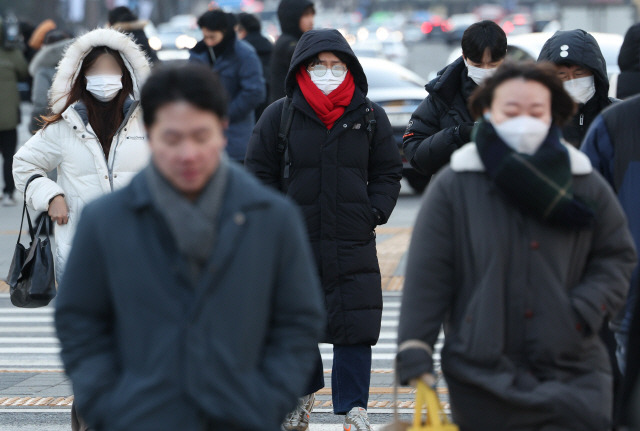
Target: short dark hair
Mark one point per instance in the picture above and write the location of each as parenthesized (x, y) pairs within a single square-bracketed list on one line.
[(482, 35), (195, 84), (215, 20), (562, 105), (249, 22), (121, 14)]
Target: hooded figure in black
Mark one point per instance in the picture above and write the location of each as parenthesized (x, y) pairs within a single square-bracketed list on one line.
[(290, 13), (629, 62), (577, 48), (346, 185)]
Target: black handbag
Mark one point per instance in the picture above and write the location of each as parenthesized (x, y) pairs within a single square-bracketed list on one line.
[(31, 276)]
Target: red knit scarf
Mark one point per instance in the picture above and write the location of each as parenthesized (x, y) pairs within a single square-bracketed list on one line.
[(327, 107)]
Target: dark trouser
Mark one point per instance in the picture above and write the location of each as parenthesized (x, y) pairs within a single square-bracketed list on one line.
[(350, 377), (77, 423), (8, 143)]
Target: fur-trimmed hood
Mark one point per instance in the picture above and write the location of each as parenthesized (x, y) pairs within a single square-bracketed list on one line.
[(134, 59), (48, 56)]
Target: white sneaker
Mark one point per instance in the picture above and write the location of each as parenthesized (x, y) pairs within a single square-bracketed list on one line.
[(357, 420), (8, 200), (298, 420)]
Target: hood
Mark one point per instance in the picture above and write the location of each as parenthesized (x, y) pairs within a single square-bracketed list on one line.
[(129, 26), (629, 57), (313, 43), (261, 44), (289, 14), (134, 59), (578, 47), (48, 56)]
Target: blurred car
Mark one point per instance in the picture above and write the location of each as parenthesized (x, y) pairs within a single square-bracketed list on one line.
[(173, 42), (517, 23), (399, 92), (528, 47), (457, 24)]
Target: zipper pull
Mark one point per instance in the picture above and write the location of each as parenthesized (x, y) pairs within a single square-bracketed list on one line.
[(582, 119)]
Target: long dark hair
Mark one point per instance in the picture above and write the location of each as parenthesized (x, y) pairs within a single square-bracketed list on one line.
[(104, 117)]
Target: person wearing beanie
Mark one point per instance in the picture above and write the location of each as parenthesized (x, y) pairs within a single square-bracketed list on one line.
[(123, 19)]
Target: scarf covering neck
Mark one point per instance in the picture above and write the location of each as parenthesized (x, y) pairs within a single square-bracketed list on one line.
[(193, 225), (328, 107), (539, 184)]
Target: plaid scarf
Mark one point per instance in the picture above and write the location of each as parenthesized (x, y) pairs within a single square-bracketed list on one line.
[(539, 184)]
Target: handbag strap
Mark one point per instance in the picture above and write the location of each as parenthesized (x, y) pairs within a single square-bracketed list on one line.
[(25, 211)]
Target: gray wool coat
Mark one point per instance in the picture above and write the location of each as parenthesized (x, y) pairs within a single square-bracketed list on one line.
[(521, 302)]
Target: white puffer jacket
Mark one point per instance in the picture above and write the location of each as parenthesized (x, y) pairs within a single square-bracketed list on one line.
[(71, 146)]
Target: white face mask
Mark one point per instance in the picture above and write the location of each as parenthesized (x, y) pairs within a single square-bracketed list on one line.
[(523, 134), (104, 87), (328, 82), (581, 90), (478, 74)]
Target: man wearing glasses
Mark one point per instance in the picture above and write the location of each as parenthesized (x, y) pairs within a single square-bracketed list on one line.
[(332, 151)]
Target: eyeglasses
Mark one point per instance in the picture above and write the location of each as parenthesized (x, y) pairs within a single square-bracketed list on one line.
[(321, 70)]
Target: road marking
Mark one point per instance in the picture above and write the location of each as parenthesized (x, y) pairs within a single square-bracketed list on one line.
[(25, 329), (27, 311), (24, 350), (29, 340), (47, 319)]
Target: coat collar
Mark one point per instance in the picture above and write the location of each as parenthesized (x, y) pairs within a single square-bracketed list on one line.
[(467, 159)]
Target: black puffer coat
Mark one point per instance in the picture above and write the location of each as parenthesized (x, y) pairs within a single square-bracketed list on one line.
[(289, 14), (581, 49), (629, 62), (337, 178), (433, 134)]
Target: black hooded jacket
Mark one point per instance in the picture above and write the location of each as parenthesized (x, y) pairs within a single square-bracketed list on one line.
[(581, 48), (629, 62), (337, 178), (433, 133), (289, 14)]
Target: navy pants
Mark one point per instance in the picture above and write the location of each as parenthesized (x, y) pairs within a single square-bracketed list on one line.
[(350, 377)]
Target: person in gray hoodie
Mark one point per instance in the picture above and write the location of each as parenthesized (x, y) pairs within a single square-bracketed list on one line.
[(42, 69)]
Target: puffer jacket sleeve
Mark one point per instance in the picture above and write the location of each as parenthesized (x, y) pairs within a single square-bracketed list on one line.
[(39, 155), (385, 167), (262, 157), (598, 147), (603, 288), (426, 145), (252, 88), (429, 284)]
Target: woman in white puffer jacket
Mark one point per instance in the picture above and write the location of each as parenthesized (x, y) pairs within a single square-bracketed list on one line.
[(95, 137)]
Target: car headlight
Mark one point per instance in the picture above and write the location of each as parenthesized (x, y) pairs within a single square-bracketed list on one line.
[(155, 43), (185, 42)]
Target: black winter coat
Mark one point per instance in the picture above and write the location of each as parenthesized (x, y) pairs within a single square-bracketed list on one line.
[(337, 178), (433, 133), (583, 50), (289, 14), (264, 49), (629, 62)]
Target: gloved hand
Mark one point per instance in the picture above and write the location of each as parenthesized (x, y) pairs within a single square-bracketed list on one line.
[(464, 131), (427, 378)]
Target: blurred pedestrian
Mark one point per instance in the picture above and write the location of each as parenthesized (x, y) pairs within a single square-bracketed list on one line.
[(629, 62), (42, 69), (36, 40), (583, 70), (190, 300), (340, 164), (296, 18), (249, 29), (94, 137), (240, 71), (441, 124), (13, 68), (612, 146), (522, 251), (123, 19)]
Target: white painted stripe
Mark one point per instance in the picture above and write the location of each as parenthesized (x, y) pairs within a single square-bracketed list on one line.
[(376, 356), (390, 313), (26, 329), (35, 319), (377, 346), (54, 369), (26, 311), (65, 410), (29, 340), (41, 363), (26, 350)]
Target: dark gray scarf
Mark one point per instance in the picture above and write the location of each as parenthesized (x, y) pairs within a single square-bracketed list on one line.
[(192, 224)]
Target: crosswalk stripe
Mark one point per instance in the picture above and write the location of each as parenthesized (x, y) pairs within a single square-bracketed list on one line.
[(47, 319)]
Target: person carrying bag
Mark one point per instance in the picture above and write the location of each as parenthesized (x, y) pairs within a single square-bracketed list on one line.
[(31, 275)]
